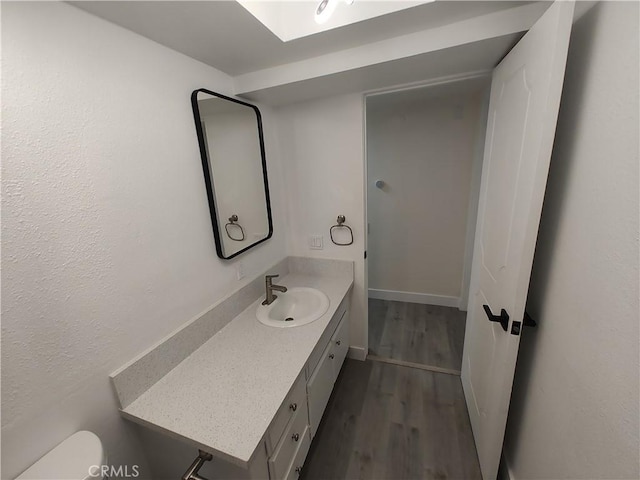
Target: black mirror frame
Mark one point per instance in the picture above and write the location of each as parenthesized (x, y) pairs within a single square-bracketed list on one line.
[(207, 171)]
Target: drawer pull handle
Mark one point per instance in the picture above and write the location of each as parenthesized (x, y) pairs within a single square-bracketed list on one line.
[(332, 356), (338, 342), (293, 407), (295, 437), (298, 470)]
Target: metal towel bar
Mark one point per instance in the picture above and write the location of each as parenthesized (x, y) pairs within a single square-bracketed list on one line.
[(192, 471), (233, 219), (340, 225)]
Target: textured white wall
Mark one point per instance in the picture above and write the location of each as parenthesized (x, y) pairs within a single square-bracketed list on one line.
[(322, 148), (323, 160), (423, 150), (575, 406), (106, 237)]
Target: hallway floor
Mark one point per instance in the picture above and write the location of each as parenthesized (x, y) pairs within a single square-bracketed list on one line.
[(427, 335), (392, 422)]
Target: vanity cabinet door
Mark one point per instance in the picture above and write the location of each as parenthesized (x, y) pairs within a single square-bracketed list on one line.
[(319, 388), (286, 451), (326, 338), (321, 383), (295, 401), (340, 341), (301, 455)]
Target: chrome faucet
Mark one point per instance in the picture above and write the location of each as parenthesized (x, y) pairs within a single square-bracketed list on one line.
[(270, 287)]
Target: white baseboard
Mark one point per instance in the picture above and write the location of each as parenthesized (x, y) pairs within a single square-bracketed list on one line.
[(441, 300), (357, 353)]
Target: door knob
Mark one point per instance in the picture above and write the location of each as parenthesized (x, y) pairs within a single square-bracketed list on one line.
[(503, 318)]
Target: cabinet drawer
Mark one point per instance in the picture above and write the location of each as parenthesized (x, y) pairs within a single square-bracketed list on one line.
[(319, 388), (292, 437), (340, 341), (316, 355), (295, 401), (301, 455)]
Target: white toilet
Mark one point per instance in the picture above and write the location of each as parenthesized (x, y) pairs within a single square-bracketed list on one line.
[(79, 457)]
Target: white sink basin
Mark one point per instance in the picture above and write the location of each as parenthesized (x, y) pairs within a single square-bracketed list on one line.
[(297, 306)]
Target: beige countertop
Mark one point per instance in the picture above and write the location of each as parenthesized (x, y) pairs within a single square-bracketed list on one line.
[(223, 397)]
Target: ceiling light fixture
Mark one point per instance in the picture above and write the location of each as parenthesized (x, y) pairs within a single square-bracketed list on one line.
[(325, 9)]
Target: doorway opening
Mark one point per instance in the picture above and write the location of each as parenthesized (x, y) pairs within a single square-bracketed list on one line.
[(424, 162)]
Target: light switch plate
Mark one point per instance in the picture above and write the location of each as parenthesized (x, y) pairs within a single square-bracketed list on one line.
[(315, 242)]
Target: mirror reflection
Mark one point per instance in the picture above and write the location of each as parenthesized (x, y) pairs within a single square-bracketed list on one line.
[(234, 164)]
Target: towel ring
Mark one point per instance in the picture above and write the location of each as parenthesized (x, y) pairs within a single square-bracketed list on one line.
[(232, 222), (341, 219)]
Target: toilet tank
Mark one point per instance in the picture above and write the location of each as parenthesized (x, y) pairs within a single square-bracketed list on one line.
[(79, 457)]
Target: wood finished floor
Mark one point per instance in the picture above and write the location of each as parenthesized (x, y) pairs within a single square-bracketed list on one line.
[(424, 334), (391, 422)]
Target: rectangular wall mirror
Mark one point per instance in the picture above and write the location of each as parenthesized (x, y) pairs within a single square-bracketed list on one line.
[(235, 171)]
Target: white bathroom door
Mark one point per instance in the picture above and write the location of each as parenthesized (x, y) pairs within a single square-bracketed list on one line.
[(523, 109)]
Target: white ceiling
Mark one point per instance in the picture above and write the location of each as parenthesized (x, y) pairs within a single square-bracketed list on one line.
[(226, 36), (440, 66)]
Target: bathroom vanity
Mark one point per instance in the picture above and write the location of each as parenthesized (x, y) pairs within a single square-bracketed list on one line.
[(250, 394)]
